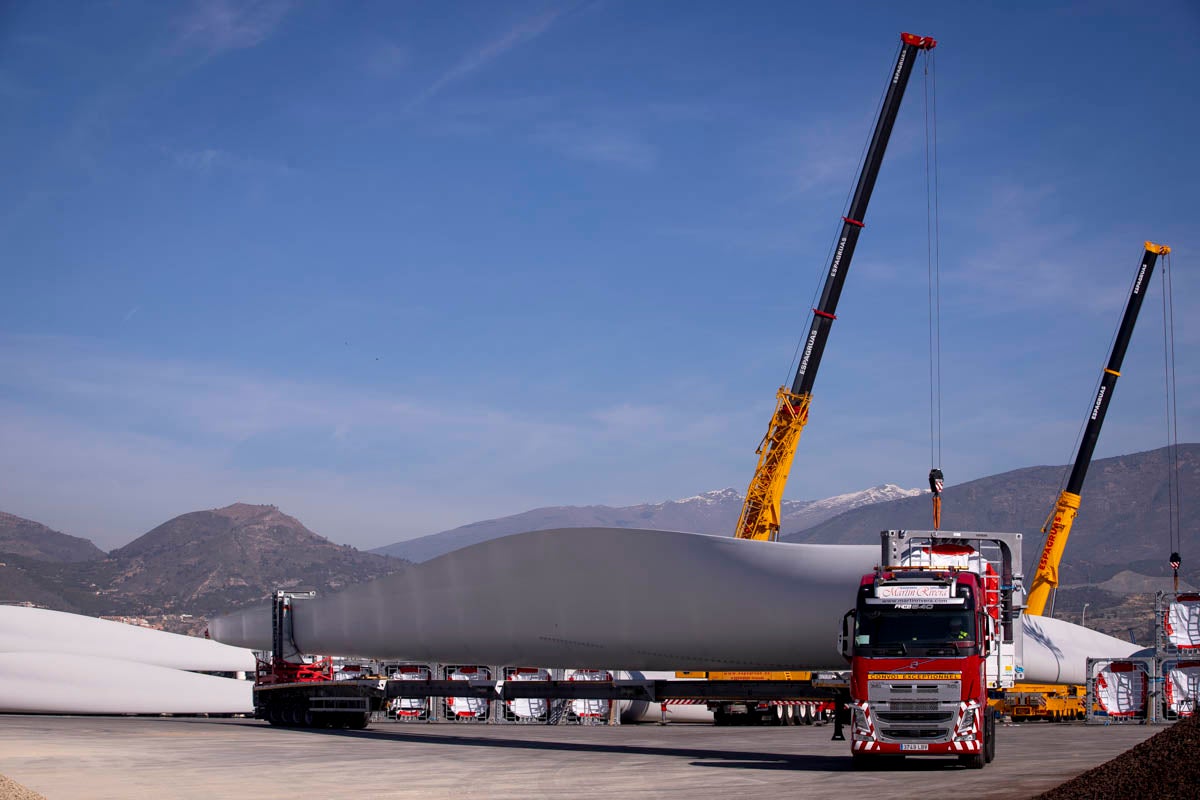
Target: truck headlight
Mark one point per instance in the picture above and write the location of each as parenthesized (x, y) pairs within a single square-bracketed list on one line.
[(860, 722), (968, 722)]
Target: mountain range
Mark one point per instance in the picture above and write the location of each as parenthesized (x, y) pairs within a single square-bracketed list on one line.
[(208, 562), (714, 512), (200, 563)]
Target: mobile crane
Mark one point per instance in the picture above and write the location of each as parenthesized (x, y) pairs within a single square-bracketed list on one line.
[(1058, 527), (1054, 701), (761, 516)]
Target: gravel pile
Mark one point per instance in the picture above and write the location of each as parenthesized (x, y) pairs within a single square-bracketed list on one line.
[(11, 790), (1165, 767)]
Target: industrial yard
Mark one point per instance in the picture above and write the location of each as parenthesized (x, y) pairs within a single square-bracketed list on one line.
[(95, 757)]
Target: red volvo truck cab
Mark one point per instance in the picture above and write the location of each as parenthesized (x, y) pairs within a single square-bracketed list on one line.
[(934, 627)]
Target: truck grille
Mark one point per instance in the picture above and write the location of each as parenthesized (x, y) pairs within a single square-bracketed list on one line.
[(915, 716), (915, 712), (914, 733)]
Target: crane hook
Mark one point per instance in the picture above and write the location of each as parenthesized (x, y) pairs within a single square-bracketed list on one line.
[(935, 485)]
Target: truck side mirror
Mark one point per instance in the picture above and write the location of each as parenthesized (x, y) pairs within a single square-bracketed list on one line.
[(846, 637)]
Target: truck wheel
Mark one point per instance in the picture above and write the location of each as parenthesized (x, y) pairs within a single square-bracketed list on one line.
[(989, 739), (358, 722), (973, 761)]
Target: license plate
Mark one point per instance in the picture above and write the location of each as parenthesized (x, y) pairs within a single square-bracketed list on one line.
[(914, 747)]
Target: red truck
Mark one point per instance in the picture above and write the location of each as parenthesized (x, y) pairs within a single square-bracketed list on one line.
[(934, 627)]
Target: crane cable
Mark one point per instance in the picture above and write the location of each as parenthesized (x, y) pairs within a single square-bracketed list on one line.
[(933, 257), (1174, 508)]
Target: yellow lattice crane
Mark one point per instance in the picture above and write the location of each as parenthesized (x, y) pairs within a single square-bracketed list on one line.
[(760, 517), (1058, 524)]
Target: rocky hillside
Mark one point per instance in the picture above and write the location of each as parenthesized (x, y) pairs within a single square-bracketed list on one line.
[(201, 563), (1122, 522), (215, 559), (24, 537), (713, 512)]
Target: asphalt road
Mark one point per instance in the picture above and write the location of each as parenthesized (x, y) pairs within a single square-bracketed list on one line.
[(129, 757)]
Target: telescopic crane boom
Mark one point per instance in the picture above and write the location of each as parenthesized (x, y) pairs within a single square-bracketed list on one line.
[(760, 518), (1058, 526)]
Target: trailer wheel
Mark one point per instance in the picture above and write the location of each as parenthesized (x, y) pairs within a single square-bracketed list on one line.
[(358, 722), (272, 714)]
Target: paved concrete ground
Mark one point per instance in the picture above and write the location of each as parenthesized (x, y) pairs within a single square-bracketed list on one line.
[(126, 757)]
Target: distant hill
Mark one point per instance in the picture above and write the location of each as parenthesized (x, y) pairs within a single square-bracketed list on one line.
[(201, 563), (713, 512), (227, 556), (24, 537), (1122, 522)]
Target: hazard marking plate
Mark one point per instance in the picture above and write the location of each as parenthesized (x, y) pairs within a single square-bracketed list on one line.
[(914, 747)]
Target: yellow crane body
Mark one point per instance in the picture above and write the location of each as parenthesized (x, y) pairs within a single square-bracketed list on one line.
[(1058, 530), (762, 509)]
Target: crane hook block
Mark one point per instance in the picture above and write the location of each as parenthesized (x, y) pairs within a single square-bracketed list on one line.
[(923, 42), (1161, 249)]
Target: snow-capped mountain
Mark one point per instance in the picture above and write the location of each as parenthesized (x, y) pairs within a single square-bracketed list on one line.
[(713, 512)]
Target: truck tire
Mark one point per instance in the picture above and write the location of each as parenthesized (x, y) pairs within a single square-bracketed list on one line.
[(359, 721), (989, 739), (972, 761)]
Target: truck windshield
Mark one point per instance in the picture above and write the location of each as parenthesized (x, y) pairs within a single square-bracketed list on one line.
[(888, 630)]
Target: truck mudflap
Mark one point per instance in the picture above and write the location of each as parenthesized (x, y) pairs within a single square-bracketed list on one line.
[(964, 738)]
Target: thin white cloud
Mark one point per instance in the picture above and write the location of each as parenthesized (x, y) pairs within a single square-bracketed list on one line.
[(221, 25), (1027, 256), (209, 160), (520, 34), (598, 144), (109, 430), (385, 58)]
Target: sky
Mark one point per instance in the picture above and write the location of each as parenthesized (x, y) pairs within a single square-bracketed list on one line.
[(397, 267)]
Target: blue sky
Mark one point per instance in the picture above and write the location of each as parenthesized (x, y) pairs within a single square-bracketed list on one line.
[(396, 267)]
